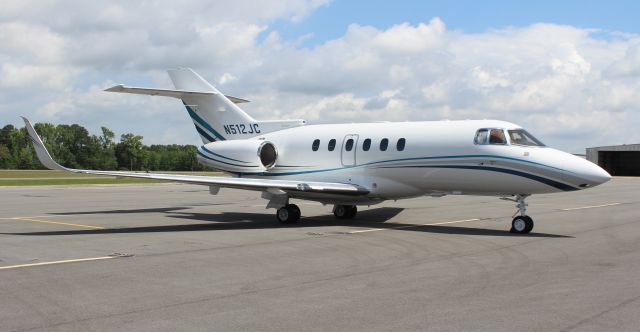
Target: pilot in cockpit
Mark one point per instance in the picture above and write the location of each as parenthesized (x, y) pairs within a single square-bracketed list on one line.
[(497, 137)]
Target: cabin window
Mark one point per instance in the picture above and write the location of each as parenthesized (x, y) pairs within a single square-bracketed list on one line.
[(332, 144), (349, 145), (384, 143), (315, 145), (366, 145), (400, 144), (522, 137)]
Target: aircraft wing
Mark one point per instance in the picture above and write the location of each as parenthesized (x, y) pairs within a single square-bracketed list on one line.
[(216, 181), (169, 93)]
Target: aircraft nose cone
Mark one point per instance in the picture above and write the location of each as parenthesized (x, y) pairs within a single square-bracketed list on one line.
[(594, 174)]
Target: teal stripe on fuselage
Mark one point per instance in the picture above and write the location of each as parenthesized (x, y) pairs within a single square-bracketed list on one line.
[(538, 178), (530, 176), (222, 162), (462, 156), (221, 156), (202, 122), (408, 159)]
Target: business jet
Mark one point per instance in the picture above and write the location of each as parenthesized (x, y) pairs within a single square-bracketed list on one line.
[(346, 165)]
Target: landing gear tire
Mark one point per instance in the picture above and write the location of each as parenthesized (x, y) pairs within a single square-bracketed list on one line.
[(288, 214), (345, 211), (521, 225)]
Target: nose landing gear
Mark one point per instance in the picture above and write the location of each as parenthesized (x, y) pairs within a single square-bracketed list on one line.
[(521, 223)]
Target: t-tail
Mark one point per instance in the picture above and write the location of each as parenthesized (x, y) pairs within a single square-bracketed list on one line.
[(216, 116)]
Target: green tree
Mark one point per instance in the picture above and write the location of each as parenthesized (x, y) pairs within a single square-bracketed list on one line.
[(129, 150), (73, 146), (107, 154), (7, 145)]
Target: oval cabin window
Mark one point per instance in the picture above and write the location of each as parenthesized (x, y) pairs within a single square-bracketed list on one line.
[(400, 144), (366, 145), (384, 144), (349, 145), (332, 144)]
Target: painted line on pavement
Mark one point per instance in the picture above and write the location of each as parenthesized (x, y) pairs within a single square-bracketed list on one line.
[(56, 262), (56, 222), (411, 226), (590, 207)]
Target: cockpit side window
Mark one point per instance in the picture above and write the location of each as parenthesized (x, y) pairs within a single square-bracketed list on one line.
[(522, 137), (496, 136), (481, 136)]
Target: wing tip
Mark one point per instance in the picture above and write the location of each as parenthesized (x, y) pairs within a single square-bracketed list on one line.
[(41, 150), (115, 88)]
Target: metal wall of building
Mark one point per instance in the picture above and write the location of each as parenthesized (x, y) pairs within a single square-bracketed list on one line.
[(618, 160)]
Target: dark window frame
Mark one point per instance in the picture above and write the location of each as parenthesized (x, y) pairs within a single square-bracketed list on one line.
[(331, 145), (401, 144), (384, 144), (366, 144), (348, 145), (315, 146)]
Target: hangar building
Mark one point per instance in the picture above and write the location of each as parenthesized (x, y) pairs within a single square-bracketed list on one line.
[(618, 160)]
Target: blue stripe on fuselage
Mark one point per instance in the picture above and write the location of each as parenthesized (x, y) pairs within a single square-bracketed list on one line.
[(534, 177), (223, 162), (221, 156)]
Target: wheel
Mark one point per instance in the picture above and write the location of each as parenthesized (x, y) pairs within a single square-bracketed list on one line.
[(521, 225), (351, 212), (288, 214), (345, 211), (295, 210), (529, 224)]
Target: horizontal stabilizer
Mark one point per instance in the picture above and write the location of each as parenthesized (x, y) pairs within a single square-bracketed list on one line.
[(180, 94)]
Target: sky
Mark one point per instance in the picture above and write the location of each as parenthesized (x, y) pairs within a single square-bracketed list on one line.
[(567, 71)]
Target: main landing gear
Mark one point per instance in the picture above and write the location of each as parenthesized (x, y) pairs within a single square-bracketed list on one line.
[(290, 213), (521, 223), (345, 211)]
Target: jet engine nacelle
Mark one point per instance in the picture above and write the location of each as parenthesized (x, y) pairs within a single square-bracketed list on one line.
[(241, 156)]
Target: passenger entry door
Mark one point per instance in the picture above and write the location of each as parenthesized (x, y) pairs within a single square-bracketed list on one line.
[(349, 145)]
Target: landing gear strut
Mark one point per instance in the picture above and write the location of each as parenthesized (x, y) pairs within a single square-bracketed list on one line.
[(288, 214), (345, 211), (521, 223)]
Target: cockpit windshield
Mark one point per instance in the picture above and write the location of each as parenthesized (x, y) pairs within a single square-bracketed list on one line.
[(522, 137)]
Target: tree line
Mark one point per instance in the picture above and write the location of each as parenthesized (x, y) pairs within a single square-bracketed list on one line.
[(73, 146)]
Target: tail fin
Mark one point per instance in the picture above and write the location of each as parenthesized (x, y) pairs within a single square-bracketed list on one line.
[(215, 115)]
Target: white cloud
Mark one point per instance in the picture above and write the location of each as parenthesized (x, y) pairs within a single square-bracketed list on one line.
[(569, 85), (406, 39)]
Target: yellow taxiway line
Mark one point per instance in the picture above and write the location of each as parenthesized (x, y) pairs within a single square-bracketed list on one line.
[(55, 222), (56, 262)]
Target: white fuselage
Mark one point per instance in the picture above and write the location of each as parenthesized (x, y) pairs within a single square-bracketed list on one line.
[(439, 158)]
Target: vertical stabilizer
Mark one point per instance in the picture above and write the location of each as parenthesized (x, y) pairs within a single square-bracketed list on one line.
[(214, 115)]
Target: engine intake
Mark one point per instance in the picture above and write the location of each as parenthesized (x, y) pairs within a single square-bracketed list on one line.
[(268, 154), (239, 156)]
